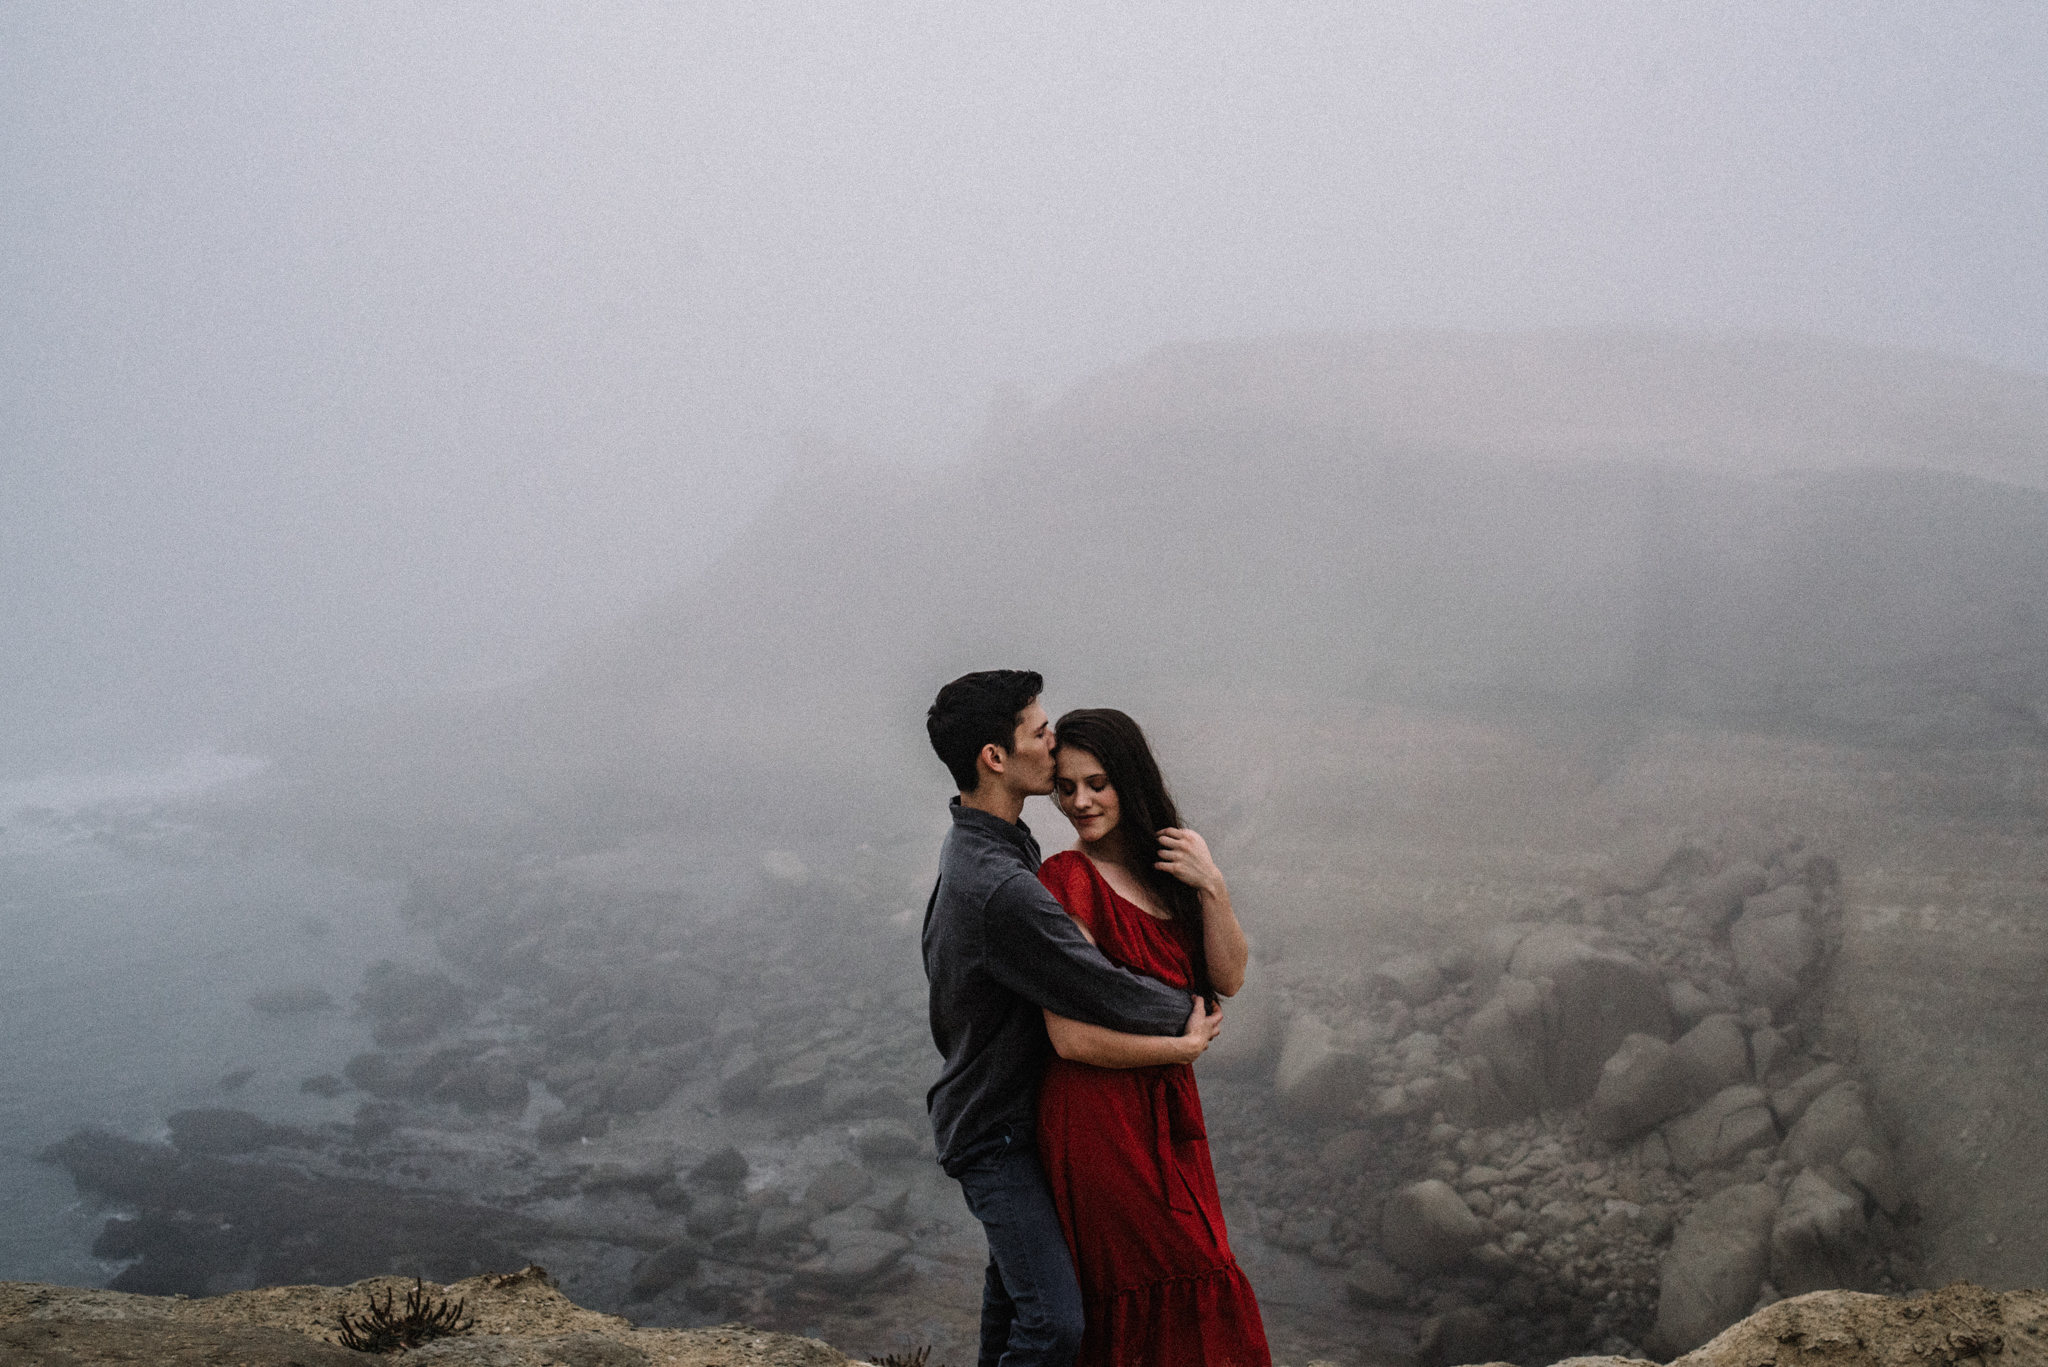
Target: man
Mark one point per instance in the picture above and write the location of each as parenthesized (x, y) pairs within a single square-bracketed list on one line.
[(999, 952)]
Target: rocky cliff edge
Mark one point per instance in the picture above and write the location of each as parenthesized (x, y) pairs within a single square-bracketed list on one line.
[(521, 1320)]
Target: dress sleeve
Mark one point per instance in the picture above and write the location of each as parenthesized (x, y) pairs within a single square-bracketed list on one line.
[(1067, 881)]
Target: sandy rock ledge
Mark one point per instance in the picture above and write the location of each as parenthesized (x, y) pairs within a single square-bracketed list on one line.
[(521, 1321)]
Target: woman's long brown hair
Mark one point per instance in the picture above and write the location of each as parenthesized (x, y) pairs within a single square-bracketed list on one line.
[(1145, 807)]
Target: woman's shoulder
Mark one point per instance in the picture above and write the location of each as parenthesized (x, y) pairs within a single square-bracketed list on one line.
[(1068, 868)]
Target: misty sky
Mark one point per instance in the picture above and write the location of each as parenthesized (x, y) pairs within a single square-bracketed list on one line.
[(354, 349)]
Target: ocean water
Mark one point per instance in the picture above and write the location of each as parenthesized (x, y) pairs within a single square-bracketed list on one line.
[(129, 950)]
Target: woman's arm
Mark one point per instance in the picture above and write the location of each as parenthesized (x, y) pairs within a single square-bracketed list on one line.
[(1185, 855), (1078, 1042)]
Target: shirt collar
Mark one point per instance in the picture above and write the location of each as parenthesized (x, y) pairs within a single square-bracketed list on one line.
[(1017, 833)]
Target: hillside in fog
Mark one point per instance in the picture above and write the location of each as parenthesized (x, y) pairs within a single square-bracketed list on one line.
[(1771, 530)]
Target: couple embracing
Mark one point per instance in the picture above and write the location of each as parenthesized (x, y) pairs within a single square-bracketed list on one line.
[(1070, 998)]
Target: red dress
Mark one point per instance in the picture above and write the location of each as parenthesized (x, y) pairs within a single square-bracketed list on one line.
[(1127, 1156)]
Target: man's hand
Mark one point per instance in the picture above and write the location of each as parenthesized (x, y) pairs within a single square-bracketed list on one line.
[(1203, 1027)]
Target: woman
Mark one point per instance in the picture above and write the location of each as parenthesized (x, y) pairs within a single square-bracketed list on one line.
[(1119, 1123)]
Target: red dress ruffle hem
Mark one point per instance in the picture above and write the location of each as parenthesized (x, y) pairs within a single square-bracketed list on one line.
[(1127, 1156)]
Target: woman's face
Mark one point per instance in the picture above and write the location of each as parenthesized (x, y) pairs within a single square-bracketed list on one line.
[(1084, 794)]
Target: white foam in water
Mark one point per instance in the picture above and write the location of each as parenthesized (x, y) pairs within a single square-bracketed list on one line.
[(67, 794), (125, 983)]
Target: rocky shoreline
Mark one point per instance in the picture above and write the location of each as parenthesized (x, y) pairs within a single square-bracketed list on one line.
[(1617, 1123), (522, 1320)]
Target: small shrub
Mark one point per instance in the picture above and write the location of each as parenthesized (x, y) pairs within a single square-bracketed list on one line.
[(384, 1329)]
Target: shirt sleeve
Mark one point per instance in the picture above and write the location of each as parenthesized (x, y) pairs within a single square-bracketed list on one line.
[(1034, 948)]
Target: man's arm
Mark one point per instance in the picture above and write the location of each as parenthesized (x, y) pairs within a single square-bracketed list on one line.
[(1034, 948)]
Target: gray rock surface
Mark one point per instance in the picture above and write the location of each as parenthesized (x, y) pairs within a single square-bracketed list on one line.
[(1465, 1334), (1508, 1033), (854, 1258), (1789, 1102), (1774, 953), (1642, 1085), (1377, 1285), (1717, 1261), (1835, 1123), (1817, 1240), (1597, 997), (1427, 1227), (839, 1186), (1411, 978), (664, 1268), (1734, 1122), (1713, 1055), (1875, 1176), (1718, 900), (1317, 1076)]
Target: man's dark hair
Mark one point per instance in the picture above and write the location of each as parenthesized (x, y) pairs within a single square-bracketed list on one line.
[(975, 710)]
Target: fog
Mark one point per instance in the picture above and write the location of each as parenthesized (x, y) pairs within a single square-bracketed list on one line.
[(366, 353), (489, 496)]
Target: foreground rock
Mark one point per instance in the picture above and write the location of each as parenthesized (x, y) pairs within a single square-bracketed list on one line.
[(1957, 1324), (521, 1320)]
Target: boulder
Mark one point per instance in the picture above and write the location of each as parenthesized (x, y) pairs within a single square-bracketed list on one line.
[(1789, 1102), (408, 1005), (885, 1140), (1470, 1095), (1717, 1261), (1508, 1033), (1774, 954), (210, 1130), (839, 1186), (1767, 1047), (1732, 1123), (480, 1086), (1377, 1285), (1597, 997), (1427, 1227), (1718, 900), (1713, 1055), (1651, 861), (853, 1259), (798, 1085), (1410, 978), (1790, 899), (1465, 1334), (725, 1168), (1559, 1217), (1817, 1242), (1317, 1077), (1874, 1175), (1835, 1123), (1642, 1085), (741, 1076), (662, 1269), (850, 1098), (1688, 1003), (1493, 951)]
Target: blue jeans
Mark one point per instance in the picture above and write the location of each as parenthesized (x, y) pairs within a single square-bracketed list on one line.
[(1030, 1300)]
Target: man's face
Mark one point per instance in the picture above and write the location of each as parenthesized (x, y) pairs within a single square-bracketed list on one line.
[(1029, 768)]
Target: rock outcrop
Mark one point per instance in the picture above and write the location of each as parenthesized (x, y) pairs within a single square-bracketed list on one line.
[(520, 1320)]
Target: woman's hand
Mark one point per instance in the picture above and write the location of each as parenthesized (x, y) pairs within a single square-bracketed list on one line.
[(1185, 855), (1203, 1027)]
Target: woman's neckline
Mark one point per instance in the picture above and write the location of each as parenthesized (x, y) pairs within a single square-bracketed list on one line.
[(1139, 907)]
